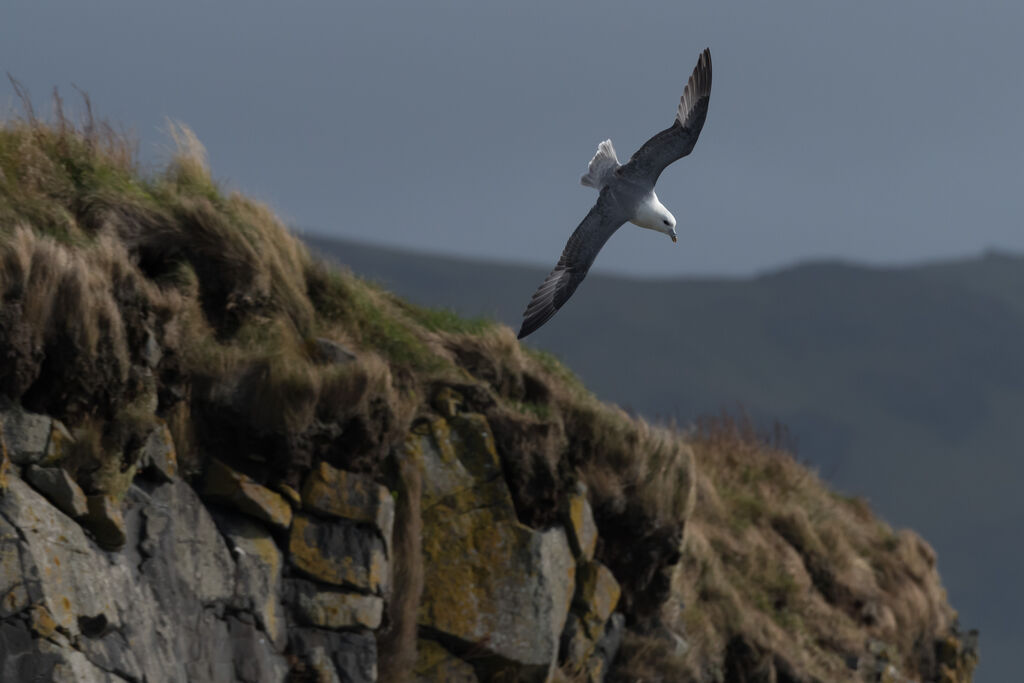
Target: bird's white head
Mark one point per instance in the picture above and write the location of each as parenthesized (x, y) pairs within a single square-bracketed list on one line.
[(653, 215)]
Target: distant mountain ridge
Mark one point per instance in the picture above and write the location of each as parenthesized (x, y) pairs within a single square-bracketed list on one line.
[(902, 385)]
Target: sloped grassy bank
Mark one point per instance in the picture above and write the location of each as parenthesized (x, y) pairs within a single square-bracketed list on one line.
[(137, 301)]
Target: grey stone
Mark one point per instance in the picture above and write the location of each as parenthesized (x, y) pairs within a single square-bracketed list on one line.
[(339, 552), (61, 490), (33, 438), (156, 611), (61, 568), (185, 554), (517, 600), (151, 352), (258, 574), (254, 660), (334, 609), (103, 518), (353, 653), (18, 590), (489, 581), (461, 466), (108, 648), (223, 484), (20, 660), (187, 574), (337, 493), (211, 658), (73, 666), (608, 645)]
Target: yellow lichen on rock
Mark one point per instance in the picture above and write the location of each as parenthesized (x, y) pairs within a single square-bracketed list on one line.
[(337, 493), (226, 485), (434, 664), (41, 622), (597, 594), (291, 495), (448, 402), (456, 550), (263, 551), (579, 522), (338, 552), (489, 580)]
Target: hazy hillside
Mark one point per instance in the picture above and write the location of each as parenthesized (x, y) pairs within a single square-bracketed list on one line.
[(222, 460), (905, 386)]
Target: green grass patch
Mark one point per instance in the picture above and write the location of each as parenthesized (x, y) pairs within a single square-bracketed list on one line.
[(345, 299), (443, 319), (541, 411)]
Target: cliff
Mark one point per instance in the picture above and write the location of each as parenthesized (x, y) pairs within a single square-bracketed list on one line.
[(223, 460)]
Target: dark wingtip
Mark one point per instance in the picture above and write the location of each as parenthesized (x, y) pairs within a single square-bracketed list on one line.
[(533, 323), (704, 64)]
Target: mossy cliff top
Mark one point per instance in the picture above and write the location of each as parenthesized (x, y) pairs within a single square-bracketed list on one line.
[(131, 298)]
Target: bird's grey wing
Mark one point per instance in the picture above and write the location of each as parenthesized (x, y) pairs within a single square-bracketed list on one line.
[(580, 251), (676, 141)]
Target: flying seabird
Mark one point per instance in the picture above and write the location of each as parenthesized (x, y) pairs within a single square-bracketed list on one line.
[(627, 194)]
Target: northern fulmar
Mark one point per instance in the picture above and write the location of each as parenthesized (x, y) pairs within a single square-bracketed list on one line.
[(626, 194)]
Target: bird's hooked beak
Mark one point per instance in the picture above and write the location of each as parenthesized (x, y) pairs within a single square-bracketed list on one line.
[(674, 236)]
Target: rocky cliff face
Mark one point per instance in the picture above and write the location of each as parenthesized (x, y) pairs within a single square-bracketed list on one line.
[(231, 580), (223, 461)]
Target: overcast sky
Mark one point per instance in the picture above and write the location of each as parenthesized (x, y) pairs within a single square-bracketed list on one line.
[(883, 132)]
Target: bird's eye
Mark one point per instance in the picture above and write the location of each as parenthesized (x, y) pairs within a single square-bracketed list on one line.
[(665, 221)]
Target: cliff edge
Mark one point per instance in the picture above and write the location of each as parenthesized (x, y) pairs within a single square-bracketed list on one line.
[(223, 460)]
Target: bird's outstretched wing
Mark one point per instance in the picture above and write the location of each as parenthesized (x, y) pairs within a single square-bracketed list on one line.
[(604, 219), (676, 141)]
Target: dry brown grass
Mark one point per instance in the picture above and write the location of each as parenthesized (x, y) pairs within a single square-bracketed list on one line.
[(97, 259), (87, 240), (777, 563), (65, 311)]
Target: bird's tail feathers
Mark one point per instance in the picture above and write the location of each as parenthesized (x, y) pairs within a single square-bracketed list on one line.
[(602, 166)]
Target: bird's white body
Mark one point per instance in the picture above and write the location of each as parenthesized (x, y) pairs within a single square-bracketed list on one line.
[(652, 214), (648, 211)]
